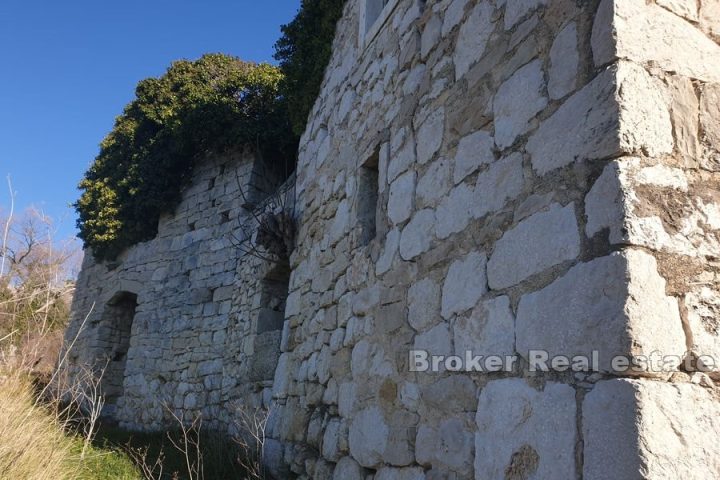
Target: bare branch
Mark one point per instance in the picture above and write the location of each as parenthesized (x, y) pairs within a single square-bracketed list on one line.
[(7, 227)]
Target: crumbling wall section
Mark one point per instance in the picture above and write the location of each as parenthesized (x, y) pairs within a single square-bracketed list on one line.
[(192, 348)]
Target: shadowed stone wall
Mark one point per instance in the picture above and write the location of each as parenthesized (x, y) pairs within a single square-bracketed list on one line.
[(205, 334)]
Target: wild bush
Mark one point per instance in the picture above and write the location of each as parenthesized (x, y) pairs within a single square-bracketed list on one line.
[(304, 52), (212, 104)]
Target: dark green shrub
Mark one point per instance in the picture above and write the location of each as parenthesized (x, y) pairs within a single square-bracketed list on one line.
[(303, 52), (197, 107)]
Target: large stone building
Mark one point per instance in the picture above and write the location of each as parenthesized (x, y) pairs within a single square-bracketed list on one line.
[(495, 176)]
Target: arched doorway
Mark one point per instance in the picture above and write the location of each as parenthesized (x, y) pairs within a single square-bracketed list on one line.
[(115, 331)]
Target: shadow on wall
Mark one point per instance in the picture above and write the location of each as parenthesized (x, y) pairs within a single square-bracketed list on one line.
[(114, 335), (270, 320)]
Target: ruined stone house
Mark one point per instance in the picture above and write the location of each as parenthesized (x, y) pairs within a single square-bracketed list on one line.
[(493, 176)]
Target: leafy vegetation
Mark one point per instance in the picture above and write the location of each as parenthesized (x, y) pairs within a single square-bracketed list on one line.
[(197, 107), (35, 444), (303, 52)]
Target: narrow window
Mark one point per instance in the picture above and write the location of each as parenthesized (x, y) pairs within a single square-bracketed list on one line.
[(115, 331), (373, 9), (272, 299), (373, 15), (368, 186), (270, 320)]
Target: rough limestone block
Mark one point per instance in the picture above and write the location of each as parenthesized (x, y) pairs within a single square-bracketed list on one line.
[(400, 201), (710, 113), (416, 237), (430, 35), (434, 184), (564, 62), (651, 35), (410, 473), (605, 203), (423, 304), (516, 10), (465, 283), (650, 430), (368, 437), (473, 151), (684, 108), (392, 241), (613, 203), (614, 305), (517, 101), (488, 330), (703, 306), (453, 15), (537, 243), (710, 18), (502, 181), (454, 211), (473, 38), (685, 8), (601, 120), (436, 341), (430, 135), (348, 469), (449, 446), (401, 159), (524, 432)]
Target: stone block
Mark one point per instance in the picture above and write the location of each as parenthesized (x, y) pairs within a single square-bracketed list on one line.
[(400, 200), (524, 432), (710, 114), (369, 437), (501, 182), (488, 330), (434, 184), (423, 304), (410, 473), (453, 15), (653, 36), (454, 212), (648, 429), (614, 305), (703, 321), (348, 469), (416, 237), (601, 120), (465, 283), (473, 151), (473, 38), (517, 101), (564, 62), (430, 135), (537, 243), (453, 394), (516, 10)]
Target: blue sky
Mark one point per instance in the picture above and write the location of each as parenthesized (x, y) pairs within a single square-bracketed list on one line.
[(68, 67)]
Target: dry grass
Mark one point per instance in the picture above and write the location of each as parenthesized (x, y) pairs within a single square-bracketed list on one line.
[(35, 443), (34, 446)]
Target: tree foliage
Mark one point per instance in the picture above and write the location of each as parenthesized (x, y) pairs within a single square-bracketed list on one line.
[(303, 52), (215, 103)]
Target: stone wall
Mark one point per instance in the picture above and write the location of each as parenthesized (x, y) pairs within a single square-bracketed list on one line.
[(484, 176), (546, 182), (203, 336)]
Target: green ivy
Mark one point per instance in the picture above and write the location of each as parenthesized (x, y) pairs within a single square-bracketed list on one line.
[(303, 52), (197, 107)]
